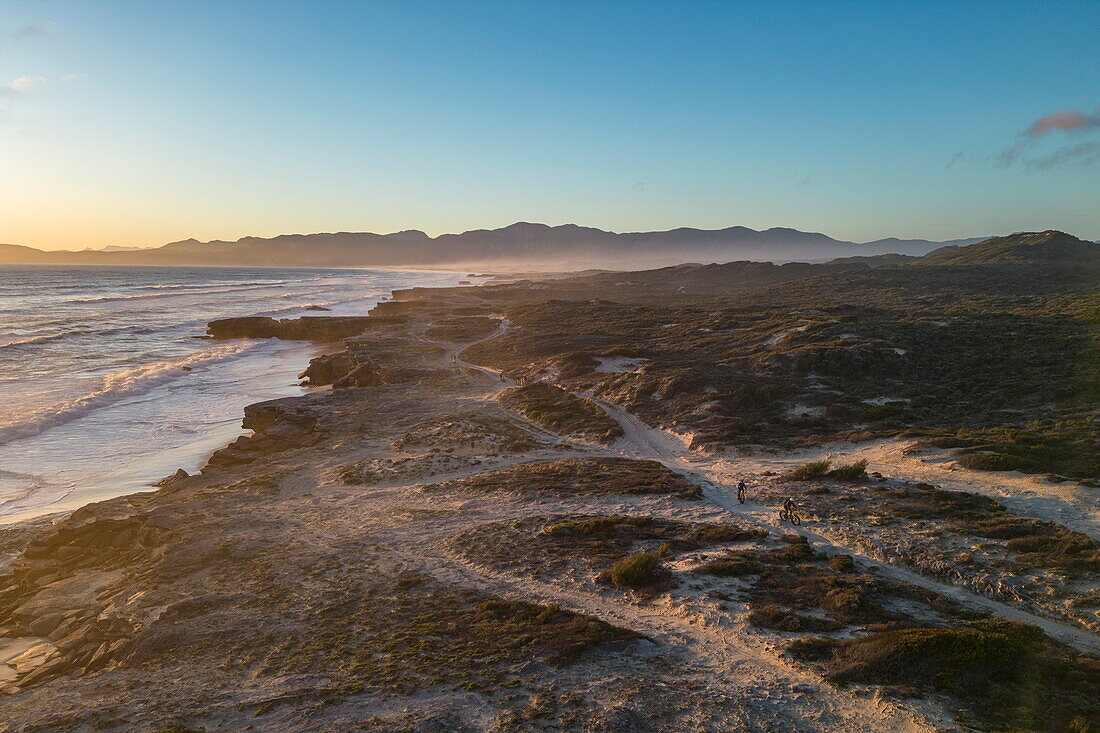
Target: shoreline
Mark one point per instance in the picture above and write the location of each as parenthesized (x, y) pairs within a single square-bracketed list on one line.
[(44, 477)]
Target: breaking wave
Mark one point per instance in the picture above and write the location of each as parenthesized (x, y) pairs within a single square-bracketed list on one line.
[(115, 387)]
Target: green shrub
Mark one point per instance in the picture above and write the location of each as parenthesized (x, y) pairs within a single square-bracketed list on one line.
[(881, 412), (584, 527), (842, 563), (729, 567), (717, 533), (850, 471), (996, 462), (774, 617), (821, 469), (809, 471), (1006, 674), (637, 570), (562, 412)]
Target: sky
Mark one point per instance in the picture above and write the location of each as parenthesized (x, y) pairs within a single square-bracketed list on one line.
[(139, 123)]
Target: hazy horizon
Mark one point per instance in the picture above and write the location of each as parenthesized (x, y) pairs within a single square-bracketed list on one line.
[(436, 234), (140, 124)]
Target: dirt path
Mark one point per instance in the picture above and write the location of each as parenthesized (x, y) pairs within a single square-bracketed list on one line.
[(659, 445), (719, 655), (642, 441)]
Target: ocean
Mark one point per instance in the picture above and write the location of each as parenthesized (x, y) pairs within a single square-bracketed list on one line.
[(104, 388)]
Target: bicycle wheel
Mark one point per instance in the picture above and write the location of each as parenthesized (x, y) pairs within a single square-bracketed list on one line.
[(796, 520), (741, 496), (783, 515)]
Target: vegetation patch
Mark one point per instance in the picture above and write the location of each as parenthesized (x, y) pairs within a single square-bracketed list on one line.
[(882, 412), (1005, 675), (1037, 542), (823, 470), (557, 410), (636, 571), (461, 329), (581, 477), (789, 581), (555, 543), (774, 617), (1069, 448), (397, 635)]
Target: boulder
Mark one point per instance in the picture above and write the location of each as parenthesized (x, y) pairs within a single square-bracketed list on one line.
[(343, 370), (179, 475)]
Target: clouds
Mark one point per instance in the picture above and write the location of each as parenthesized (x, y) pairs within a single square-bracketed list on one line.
[(1068, 122), (33, 30), (1084, 153), (23, 85)]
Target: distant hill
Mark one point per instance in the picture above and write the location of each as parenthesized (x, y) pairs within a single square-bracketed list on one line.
[(1038, 248), (535, 245)]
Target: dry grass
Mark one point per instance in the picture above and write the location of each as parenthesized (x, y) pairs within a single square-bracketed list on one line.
[(636, 571)]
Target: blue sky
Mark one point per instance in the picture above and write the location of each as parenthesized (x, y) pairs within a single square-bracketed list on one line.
[(138, 123)]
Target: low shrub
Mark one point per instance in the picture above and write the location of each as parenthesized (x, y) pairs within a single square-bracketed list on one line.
[(774, 617), (729, 567), (997, 462), (637, 570), (1006, 674), (562, 412), (842, 563), (823, 469), (717, 533), (881, 412), (850, 471), (809, 471)]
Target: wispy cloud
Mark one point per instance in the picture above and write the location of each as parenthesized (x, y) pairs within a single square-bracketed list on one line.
[(1068, 122), (960, 157), (23, 84), (32, 30), (1084, 153)]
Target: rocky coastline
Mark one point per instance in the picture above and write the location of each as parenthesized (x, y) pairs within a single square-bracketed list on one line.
[(412, 550)]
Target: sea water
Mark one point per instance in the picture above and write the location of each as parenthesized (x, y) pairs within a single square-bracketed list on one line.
[(104, 388)]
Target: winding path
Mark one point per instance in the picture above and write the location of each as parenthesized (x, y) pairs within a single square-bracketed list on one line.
[(642, 441)]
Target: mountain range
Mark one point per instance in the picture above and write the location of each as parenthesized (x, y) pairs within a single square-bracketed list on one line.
[(519, 243)]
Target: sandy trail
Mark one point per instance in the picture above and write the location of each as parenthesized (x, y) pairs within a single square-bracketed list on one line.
[(660, 445), (642, 441), (723, 656), (722, 653)]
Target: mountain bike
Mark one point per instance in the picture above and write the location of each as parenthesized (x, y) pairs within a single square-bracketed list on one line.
[(791, 516), (741, 495)]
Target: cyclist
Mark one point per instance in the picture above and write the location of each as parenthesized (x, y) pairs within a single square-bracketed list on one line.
[(789, 514), (741, 489)]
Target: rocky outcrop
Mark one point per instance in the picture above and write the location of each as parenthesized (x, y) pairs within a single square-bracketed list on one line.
[(343, 370), (277, 425), (306, 328), (57, 593)]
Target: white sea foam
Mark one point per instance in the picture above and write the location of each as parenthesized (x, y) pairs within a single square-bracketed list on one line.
[(144, 296), (35, 339), (115, 387), (69, 435)]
